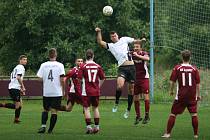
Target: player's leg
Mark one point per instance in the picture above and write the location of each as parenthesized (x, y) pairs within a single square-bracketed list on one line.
[(195, 124), (137, 109), (86, 106), (95, 104), (69, 105), (147, 108), (14, 96), (120, 84), (18, 107), (55, 106), (44, 116), (170, 125), (192, 108), (130, 99), (130, 74), (177, 108)]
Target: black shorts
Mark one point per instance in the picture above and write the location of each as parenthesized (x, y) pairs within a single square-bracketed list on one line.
[(52, 102), (15, 94), (128, 72)]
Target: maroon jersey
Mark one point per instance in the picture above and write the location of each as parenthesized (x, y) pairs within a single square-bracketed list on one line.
[(141, 66), (75, 86), (187, 76), (90, 73)]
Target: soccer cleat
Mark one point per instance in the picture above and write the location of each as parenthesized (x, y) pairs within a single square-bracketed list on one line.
[(95, 130), (138, 119), (114, 109), (126, 114), (195, 136), (42, 130), (89, 131), (2, 105), (49, 131), (16, 121), (146, 120), (166, 135)]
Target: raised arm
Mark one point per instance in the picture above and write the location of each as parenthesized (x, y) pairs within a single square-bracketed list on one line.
[(99, 38)]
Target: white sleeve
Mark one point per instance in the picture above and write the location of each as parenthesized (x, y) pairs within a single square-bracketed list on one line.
[(40, 72), (128, 39), (20, 69), (109, 46)]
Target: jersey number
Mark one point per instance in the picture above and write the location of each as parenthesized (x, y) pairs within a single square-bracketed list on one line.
[(14, 74), (184, 79), (90, 77), (50, 76)]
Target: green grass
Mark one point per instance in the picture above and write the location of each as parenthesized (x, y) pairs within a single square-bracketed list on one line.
[(113, 126)]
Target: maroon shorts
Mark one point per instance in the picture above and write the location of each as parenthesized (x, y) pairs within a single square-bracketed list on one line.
[(90, 100), (141, 87), (73, 97), (178, 107)]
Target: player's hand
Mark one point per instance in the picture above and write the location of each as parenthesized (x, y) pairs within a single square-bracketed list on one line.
[(135, 54), (23, 91), (198, 98), (171, 93), (97, 29)]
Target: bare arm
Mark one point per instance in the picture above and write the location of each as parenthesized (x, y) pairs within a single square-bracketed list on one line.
[(198, 91), (145, 57), (62, 84), (172, 85), (101, 83), (99, 38), (22, 87)]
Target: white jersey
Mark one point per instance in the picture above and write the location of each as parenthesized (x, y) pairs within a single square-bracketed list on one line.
[(120, 49), (18, 70), (50, 72)]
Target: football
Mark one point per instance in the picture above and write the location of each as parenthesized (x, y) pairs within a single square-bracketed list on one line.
[(107, 10)]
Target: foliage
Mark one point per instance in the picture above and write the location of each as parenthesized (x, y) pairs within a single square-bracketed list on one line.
[(31, 27)]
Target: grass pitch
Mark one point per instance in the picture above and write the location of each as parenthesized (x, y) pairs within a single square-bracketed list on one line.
[(113, 126)]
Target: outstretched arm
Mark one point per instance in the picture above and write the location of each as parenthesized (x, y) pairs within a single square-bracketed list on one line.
[(99, 38)]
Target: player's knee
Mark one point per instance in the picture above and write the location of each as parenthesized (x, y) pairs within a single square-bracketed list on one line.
[(68, 109), (173, 115), (194, 114)]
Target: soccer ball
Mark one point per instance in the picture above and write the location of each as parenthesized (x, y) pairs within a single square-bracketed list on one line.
[(107, 10)]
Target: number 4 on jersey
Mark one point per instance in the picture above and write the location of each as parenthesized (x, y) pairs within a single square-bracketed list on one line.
[(50, 75)]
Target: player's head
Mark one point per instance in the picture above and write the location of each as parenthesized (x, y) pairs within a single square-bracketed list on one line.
[(137, 45), (186, 54), (78, 61), (114, 36), (89, 54), (23, 60), (52, 53)]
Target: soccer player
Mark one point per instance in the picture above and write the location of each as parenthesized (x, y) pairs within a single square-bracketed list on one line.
[(92, 77), (141, 85), (16, 88), (74, 89), (188, 92), (126, 69), (52, 73)]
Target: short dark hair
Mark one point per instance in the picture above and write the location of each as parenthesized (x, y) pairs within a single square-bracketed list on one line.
[(89, 54), (112, 32), (138, 41), (52, 53), (186, 54), (22, 56)]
